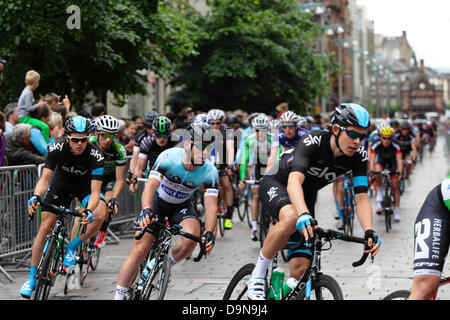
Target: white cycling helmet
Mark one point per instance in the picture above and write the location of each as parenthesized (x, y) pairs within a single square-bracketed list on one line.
[(289, 116), (202, 117), (107, 123), (215, 114), (260, 122), (301, 121), (275, 124)]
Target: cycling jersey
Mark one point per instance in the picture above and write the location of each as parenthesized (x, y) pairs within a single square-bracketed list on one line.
[(72, 173), (386, 156), (138, 139), (115, 155), (150, 150), (219, 151), (255, 148), (177, 185), (404, 142), (287, 143)]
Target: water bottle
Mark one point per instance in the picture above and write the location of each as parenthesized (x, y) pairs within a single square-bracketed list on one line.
[(147, 269), (276, 282), (290, 284)]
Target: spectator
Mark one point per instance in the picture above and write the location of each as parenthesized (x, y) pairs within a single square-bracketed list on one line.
[(56, 126), (53, 101), (2, 139), (282, 108), (127, 135), (17, 147), (190, 115), (98, 110), (62, 110), (179, 109), (26, 104), (12, 117), (39, 145)]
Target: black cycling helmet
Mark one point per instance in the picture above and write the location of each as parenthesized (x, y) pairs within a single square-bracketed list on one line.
[(149, 117), (350, 114), (232, 119), (405, 125), (77, 124), (161, 125), (201, 132)]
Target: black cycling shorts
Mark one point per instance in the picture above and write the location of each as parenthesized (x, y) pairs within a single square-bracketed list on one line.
[(274, 196), (431, 238), (175, 213)]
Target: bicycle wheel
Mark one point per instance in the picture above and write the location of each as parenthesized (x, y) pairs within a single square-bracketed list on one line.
[(44, 274), (221, 224), (83, 259), (325, 288), (248, 211), (237, 287), (348, 213), (398, 295), (156, 285)]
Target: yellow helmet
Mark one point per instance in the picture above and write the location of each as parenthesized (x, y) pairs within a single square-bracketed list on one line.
[(386, 131)]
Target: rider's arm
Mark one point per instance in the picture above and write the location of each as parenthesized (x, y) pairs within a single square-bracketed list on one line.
[(43, 182), (295, 191), (272, 158), (364, 210), (211, 212), (398, 157), (140, 165), (120, 181), (96, 186), (414, 150), (152, 185), (244, 159)]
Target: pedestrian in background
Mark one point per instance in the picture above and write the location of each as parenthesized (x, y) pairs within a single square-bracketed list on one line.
[(2, 139), (12, 117)]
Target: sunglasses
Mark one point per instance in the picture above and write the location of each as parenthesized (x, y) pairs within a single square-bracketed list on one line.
[(161, 135), (108, 136), (355, 135), (215, 123), (384, 138), (287, 126), (78, 139)]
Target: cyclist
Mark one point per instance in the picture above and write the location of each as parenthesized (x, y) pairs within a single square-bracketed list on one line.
[(407, 142), (106, 128), (174, 178), (221, 145), (147, 130), (73, 168), (289, 193), (256, 152), (386, 153), (152, 145), (431, 241), (233, 136)]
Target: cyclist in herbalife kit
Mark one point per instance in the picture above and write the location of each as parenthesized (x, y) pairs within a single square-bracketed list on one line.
[(431, 241), (114, 174), (289, 193), (173, 180), (75, 168)]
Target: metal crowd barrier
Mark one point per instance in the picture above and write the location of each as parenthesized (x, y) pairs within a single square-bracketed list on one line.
[(17, 233)]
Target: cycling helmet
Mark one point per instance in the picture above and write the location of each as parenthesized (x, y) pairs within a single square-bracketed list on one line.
[(275, 124), (107, 123), (77, 124), (202, 117), (252, 116), (201, 132), (215, 114), (149, 117), (386, 131), (161, 125), (350, 114), (232, 119), (260, 122), (405, 125), (289, 116), (301, 121)]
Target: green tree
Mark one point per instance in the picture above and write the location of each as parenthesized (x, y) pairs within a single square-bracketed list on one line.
[(115, 39), (253, 55)]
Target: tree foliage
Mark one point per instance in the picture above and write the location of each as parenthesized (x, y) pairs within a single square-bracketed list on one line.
[(253, 54), (116, 38)]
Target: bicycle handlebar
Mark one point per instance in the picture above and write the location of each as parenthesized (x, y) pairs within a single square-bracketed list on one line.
[(332, 234), (251, 181), (62, 210), (176, 230)]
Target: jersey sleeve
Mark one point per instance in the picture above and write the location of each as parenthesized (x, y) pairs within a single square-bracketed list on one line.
[(97, 164), (122, 154), (160, 166), (305, 150), (360, 181), (211, 184)]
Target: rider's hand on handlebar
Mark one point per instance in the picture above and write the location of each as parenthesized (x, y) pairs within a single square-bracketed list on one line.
[(210, 241), (373, 242), (241, 184), (304, 225), (147, 217), (33, 204), (87, 217), (113, 206)]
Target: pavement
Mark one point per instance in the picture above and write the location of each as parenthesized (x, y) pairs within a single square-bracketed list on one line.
[(208, 279)]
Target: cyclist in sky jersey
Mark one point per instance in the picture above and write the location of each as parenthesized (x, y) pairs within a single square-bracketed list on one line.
[(173, 180), (289, 193), (73, 168)]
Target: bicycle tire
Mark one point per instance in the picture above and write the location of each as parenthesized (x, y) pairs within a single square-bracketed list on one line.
[(239, 201), (83, 262), (323, 282), (242, 273), (43, 286), (348, 213), (162, 275), (221, 224), (398, 295)]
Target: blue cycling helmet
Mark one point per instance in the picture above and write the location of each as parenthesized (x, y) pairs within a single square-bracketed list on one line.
[(77, 124), (202, 117), (351, 114)]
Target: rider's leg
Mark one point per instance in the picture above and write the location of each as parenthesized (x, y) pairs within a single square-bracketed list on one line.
[(130, 266), (104, 227), (378, 179), (424, 287), (255, 207), (396, 189), (228, 199), (184, 247)]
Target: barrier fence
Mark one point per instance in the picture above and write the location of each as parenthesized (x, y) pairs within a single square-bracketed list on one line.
[(17, 232)]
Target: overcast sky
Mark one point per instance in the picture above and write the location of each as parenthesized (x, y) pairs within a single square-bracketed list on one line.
[(427, 25)]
